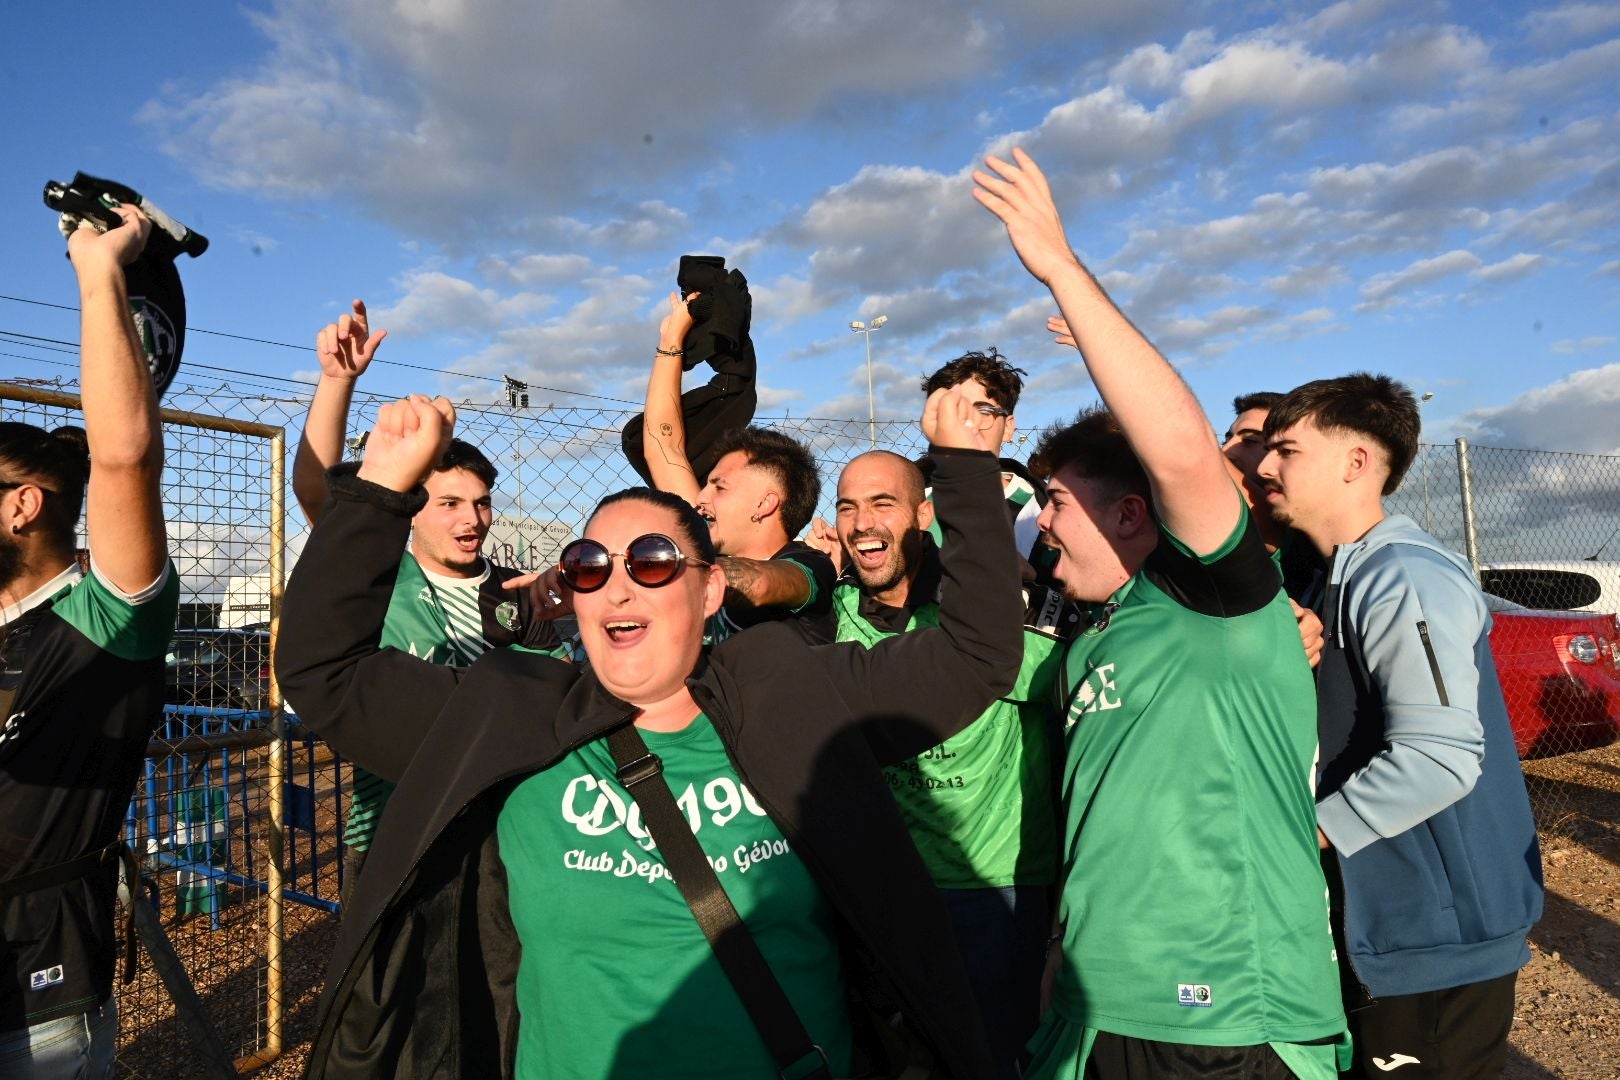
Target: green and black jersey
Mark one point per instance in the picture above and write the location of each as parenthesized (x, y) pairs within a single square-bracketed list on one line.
[(84, 678), (1193, 903), (979, 805), (443, 620)]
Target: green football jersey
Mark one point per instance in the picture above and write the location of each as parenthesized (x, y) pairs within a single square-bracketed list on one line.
[(1193, 904), (979, 805), (437, 619), (616, 978)]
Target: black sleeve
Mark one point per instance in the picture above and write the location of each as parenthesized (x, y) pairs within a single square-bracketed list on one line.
[(1238, 580), (509, 617), (917, 689), (373, 705)]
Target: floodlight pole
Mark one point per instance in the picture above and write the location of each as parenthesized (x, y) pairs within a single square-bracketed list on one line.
[(871, 404)]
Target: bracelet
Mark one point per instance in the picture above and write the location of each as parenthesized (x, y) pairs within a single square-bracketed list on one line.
[(1055, 939), (661, 351)]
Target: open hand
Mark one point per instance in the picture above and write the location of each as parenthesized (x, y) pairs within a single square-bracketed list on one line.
[(411, 434), (549, 598), (1017, 193), (1058, 327), (824, 538), (345, 348)]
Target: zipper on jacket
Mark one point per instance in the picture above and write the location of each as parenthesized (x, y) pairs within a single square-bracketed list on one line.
[(1434, 664)]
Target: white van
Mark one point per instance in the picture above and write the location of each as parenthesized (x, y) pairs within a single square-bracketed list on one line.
[(1556, 586)]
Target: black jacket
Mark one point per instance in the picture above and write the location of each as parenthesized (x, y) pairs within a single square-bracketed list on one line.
[(421, 984)]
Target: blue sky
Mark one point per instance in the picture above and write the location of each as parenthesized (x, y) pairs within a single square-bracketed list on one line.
[(1275, 192)]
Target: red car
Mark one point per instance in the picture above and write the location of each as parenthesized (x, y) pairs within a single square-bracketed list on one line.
[(1560, 674)]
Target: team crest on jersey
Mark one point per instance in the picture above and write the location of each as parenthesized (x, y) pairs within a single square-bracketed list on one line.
[(1193, 995), (45, 978), (506, 613)]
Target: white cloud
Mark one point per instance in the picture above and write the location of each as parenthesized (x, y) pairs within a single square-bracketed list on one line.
[(1576, 414), (435, 302), (1510, 269), (1381, 289), (1571, 21), (1570, 346)]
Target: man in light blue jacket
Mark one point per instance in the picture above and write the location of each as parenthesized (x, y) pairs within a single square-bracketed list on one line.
[(1435, 869)]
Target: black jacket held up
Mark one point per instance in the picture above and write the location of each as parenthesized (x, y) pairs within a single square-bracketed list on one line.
[(422, 981)]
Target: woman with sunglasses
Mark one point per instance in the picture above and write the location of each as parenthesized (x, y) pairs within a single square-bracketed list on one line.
[(82, 689), (520, 921)]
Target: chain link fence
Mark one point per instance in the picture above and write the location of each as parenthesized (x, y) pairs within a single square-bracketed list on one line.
[(1541, 531), (237, 821)]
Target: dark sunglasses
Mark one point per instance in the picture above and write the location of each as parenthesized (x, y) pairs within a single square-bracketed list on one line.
[(652, 561), (12, 485)]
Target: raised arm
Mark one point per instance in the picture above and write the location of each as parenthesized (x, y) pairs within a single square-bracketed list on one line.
[(124, 501), (917, 689), (663, 431), (344, 349), (1192, 492), (374, 705)]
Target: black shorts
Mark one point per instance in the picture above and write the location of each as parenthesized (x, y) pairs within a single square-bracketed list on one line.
[(1120, 1057)]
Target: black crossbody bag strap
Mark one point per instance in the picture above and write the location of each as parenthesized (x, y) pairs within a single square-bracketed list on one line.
[(642, 774)]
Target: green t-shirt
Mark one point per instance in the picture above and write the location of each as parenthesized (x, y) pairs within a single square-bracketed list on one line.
[(979, 805), (616, 978), (1193, 901)]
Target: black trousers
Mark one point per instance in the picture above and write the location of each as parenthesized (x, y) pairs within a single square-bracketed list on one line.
[(1459, 1033)]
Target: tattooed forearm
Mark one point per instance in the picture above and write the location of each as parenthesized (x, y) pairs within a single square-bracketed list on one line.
[(760, 583)]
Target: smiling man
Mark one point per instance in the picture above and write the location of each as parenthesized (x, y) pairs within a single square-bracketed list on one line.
[(1192, 920), (979, 805), (760, 495), (449, 603)]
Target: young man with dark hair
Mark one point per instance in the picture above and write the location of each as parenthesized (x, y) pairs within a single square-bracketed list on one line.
[(993, 385), (1303, 571), (1192, 924), (81, 693), (979, 805), (450, 604), (1434, 862), (759, 496)]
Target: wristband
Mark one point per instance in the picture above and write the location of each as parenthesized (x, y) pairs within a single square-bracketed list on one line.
[(661, 351)]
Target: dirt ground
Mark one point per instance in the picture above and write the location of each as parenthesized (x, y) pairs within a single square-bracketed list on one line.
[(1566, 1022), (1567, 1019)]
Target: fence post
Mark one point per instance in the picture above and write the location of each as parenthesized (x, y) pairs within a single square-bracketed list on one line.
[(1465, 481)]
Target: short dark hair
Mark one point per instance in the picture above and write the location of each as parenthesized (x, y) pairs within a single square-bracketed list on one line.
[(1376, 406), (694, 530), (464, 455), (785, 458), (1000, 379), (57, 461), (1095, 446), (1260, 399)]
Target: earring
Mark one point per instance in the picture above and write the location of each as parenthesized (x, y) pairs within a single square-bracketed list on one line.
[(755, 518)]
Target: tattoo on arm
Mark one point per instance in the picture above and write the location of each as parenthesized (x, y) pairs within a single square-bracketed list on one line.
[(743, 580), (761, 583)]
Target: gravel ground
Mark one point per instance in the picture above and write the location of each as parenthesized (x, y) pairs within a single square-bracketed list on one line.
[(1567, 1019), (1566, 1022)]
